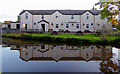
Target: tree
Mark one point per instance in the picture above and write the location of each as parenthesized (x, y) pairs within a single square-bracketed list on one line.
[(18, 18), (110, 10), (7, 21)]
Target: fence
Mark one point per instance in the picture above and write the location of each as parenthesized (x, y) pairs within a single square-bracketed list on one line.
[(6, 30)]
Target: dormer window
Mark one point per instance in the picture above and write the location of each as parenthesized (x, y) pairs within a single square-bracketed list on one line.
[(42, 16), (57, 16), (87, 16), (72, 17), (26, 15)]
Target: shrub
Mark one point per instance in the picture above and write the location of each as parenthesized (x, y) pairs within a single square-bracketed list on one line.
[(87, 31), (79, 33), (54, 33), (61, 30), (67, 31), (98, 33)]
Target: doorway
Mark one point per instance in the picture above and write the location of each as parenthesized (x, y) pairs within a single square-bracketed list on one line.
[(17, 26), (43, 27), (9, 26), (25, 26)]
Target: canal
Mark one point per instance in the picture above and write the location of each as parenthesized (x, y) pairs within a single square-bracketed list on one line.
[(35, 56)]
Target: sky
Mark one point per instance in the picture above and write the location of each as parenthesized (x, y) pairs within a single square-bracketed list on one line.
[(10, 9)]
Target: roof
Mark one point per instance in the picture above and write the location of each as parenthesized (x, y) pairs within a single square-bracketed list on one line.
[(43, 21), (15, 22), (64, 12)]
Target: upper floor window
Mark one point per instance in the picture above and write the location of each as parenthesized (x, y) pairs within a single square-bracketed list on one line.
[(67, 25), (57, 26), (77, 25), (57, 16), (87, 16), (26, 15), (42, 16), (72, 17)]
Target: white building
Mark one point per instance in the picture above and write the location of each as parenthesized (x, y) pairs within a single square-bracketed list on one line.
[(56, 20)]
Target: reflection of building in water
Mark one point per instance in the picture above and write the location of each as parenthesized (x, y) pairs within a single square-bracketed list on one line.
[(119, 56), (57, 53)]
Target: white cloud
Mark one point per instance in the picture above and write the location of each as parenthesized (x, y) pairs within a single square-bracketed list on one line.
[(11, 8)]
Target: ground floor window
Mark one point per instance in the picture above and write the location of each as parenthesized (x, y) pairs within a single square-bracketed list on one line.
[(57, 26), (87, 25), (67, 25), (91, 23), (77, 25)]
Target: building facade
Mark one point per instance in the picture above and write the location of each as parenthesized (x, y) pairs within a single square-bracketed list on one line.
[(65, 20)]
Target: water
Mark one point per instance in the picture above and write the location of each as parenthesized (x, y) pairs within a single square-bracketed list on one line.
[(32, 56)]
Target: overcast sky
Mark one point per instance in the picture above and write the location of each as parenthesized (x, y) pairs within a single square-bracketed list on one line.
[(9, 9)]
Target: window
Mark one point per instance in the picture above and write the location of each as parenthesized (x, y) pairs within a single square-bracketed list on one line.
[(67, 25), (91, 23), (34, 23), (61, 23), (42, 46), (72, 17), (57, 26), (91, 47), (51, 23), (42, 16), (77, 25), (57, 16), (26, 15), (87, 16), (87, 26)]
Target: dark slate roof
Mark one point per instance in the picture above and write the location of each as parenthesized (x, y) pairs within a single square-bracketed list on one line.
[(64, 12), (15, 22), (43, 21)]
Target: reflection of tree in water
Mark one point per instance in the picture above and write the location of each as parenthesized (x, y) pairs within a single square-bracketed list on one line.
[(107, 65)]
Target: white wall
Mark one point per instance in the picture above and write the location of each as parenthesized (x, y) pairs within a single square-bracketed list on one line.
[(28, 21), (81, 19), (87, 21), (13, 25)]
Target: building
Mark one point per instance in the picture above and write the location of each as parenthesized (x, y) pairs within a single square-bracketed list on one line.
[(62, 53), (66, 20), (31, 52), (15, 25)]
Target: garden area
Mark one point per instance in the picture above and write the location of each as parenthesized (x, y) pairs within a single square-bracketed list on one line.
[(70, 38)]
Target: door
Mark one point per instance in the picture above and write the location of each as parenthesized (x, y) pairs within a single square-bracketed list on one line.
[(43, 27), (9, 26), (17, 26), (25, 26)]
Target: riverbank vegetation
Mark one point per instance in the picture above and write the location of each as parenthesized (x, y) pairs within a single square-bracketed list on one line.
[(70, 38)]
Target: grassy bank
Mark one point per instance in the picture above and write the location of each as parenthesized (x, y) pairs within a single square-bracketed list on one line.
[(71, 38)]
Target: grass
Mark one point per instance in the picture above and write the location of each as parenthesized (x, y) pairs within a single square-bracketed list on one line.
[(86, 36)]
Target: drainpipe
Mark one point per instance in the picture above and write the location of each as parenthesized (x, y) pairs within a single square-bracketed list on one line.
[(32, 22), (94, 23), (80, 22)]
